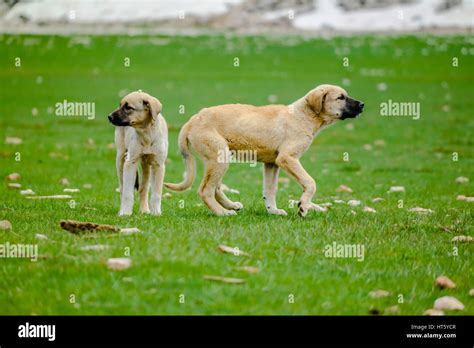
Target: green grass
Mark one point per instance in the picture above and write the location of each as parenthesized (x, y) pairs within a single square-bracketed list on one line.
[(405, 252)]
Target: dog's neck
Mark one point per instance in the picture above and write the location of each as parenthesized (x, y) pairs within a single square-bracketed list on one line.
[(315, 121), (146, 131)]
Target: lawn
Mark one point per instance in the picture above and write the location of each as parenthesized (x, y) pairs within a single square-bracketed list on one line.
[(404, 251)]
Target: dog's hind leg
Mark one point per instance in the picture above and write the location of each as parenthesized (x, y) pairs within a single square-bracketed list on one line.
[(144, 187), (270, 187), (225, 201), (213, 173)]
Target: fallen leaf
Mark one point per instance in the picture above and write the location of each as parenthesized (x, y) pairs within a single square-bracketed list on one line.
[(87, 186), (448, 303), (433, 312), (77, 227), (167, 195), (339, 201), (471, 292), (119, 264), (379, 142), (353, 202), (14, 186), (462, 239), (69, 190), (464, 198), (234, 251), (392, 310), (27, 192), (129, 231), (13, 140), (367, 147), (65, 182), (13, 177), (379, 293), (377, 199), (224, 279), (248, 269), (369, 210), (327, 204), (96, 247), (396, 189), (444, 282), (421, 210), (41, 236), (226, 188), (344, 188), (462, 180), (5, 225), (50, 197)]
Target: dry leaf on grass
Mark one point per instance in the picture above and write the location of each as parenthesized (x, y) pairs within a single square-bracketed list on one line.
[(344, 188), (377, 199), (119, 264), (379, 293), (27, 192), (444, 282), (224, 279), (50, 197), (234, 251), (433, 312), (96, 247), (463, 239), (392, 310), (248, 269), (471, 292), (396, 189), (5, 225), (13, 140), (462, 180), (41, 236), (226, 188), (448, 303), (465, 198), (13, 177), (87, 186), (353, 202), (71, 190), (14, 185), (65, 182), (77, 227), (339, 201), (420, 210), (369, 210), (129, 231)]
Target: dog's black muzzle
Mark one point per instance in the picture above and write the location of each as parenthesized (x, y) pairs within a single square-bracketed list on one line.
[(353, 109), (117, 121)]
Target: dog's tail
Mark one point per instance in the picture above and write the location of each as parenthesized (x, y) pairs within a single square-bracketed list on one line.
[(189, 162)]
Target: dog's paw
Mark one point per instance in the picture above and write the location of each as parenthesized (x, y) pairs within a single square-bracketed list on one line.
[(302, 211), (125, 213), (237, 206), (145, 211), (276, 211), (226, 212), (155, 211)]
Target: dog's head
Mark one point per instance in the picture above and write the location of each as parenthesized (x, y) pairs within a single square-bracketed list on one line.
[(333, 103), (136, 109)]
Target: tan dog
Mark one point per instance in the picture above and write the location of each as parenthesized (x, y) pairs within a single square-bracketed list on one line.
[(141, 135), (279, 134)]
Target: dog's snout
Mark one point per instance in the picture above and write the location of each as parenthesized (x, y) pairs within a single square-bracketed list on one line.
[(110, 117), (361, 105)]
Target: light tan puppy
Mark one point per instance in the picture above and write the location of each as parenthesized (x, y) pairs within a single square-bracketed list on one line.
[(141, 135), (279, 135)]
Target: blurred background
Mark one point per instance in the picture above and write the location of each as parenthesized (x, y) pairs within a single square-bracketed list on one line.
[(311, 17)]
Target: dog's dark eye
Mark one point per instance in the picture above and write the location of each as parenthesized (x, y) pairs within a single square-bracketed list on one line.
[(128, 107), (342, 97)]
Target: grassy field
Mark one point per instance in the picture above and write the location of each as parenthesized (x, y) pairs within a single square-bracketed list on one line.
[(404, 251)]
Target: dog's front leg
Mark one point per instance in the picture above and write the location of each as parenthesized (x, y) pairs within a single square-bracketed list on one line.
[(157, 176), (270, 187), (294, 168), (129, 175)]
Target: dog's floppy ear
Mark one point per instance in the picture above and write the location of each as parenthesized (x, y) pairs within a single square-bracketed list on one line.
[(315, 99), (153, 105)]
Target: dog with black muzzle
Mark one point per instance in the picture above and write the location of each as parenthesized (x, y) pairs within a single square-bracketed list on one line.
[(278, 134), (141, 135)]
